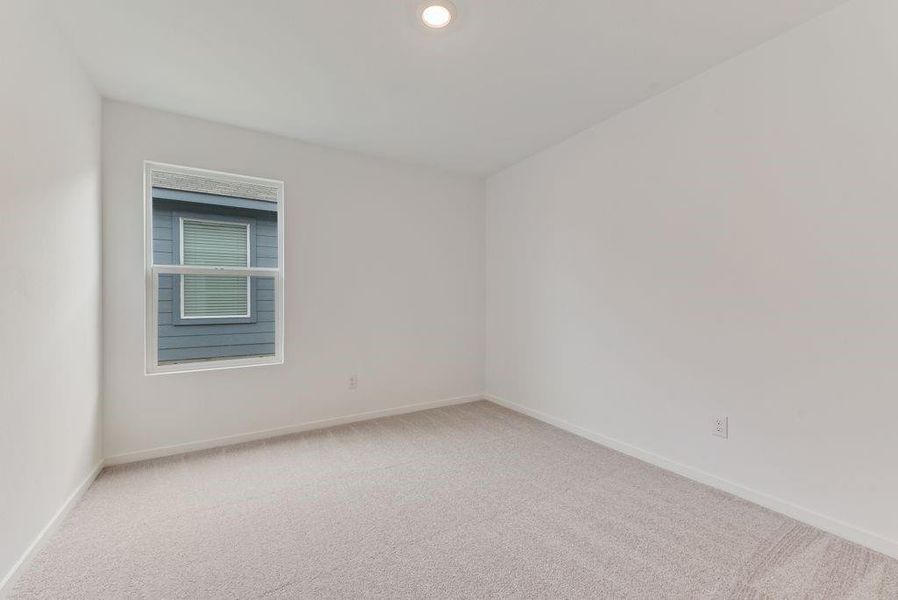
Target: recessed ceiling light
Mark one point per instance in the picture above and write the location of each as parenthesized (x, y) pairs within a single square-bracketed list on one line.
[(437, 15)]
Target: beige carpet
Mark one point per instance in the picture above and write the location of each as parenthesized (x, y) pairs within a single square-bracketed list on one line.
[(472, 501)]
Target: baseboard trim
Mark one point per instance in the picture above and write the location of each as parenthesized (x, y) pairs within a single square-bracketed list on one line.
[(6, 584), (799, 513), (270, 433)]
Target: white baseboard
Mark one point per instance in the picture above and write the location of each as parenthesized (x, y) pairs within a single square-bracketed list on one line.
[(19, 567), (834, 526), (270, 433)]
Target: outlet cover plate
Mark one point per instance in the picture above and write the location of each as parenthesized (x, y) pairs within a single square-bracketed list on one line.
[(720, 427)]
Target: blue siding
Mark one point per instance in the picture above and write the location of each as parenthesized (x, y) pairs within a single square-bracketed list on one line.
[(198, 341), (204, 353)]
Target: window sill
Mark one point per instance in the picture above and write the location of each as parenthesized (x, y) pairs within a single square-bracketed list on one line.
[(214, 365)]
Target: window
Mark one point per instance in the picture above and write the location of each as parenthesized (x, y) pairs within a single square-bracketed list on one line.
[(214, 269), (214, 243)]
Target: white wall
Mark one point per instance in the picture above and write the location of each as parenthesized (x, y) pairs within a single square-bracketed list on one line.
[(50, 269), (384, 278), (729, 247)]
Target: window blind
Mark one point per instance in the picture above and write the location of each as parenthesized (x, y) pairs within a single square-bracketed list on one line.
[(217, 244)]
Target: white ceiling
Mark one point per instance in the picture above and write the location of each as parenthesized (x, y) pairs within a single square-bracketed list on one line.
[(509, 78)]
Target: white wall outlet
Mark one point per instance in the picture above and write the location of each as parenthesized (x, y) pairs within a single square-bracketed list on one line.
[(353, 382), (720, 427)]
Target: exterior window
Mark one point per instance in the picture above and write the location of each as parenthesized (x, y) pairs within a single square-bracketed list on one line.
[(214, 269), (214, 243)]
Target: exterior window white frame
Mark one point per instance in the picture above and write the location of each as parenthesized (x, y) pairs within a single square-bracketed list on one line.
[(153, 271), (249, 298)]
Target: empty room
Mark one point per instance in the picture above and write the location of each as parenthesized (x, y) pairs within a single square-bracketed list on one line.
[(432, 299)]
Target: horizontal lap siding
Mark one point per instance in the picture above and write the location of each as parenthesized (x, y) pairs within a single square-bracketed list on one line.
[(199, 341), (217, 352)]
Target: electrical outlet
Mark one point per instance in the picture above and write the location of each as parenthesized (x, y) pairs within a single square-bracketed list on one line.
[(720, 427), (353, 382)]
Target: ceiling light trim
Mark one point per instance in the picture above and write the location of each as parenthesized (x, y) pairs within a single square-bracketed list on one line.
[(437, 15)]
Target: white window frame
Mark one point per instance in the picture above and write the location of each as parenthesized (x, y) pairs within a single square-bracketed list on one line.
[(153, 271), (249, 298)]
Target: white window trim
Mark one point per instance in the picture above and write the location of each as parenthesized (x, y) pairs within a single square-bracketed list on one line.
[(249, 309), (152, 272)]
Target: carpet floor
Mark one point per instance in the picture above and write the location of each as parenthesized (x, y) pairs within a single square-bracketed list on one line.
[(469, 501)]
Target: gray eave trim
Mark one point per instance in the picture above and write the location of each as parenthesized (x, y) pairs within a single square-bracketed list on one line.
[(213, 199)]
